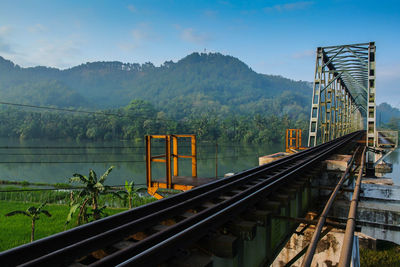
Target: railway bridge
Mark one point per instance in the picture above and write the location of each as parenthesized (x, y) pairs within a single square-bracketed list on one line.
[(246, 219)]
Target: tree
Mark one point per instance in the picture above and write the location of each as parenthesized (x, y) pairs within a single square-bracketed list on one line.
[(130, 192), (393, 124), (34, 214), (89, 195)]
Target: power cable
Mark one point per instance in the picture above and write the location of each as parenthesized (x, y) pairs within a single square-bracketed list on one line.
[(61, 188), (105, 147), (66, 154), (81, 111), (111, 161)]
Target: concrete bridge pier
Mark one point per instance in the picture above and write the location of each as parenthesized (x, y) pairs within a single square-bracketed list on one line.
[(262, 231)]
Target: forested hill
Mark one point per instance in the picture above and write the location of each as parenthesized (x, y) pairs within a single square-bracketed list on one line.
[(197, 84)]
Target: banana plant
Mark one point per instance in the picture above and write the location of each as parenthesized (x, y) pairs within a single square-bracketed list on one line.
[(130, 192), (89, 195), (34, 214)]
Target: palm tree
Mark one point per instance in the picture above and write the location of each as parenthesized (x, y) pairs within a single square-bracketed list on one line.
[(89, 194), (34, 214)]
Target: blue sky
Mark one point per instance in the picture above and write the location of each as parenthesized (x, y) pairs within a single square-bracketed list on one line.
[(272, 37)]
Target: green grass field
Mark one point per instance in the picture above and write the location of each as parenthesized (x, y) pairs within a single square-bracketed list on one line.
[(17, 194), (15, 230)]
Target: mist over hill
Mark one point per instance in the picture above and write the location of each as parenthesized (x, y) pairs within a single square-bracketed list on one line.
[(217, 97), (196, 84)]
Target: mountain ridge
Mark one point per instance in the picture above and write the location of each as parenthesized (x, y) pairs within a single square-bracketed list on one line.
[(193, 84)]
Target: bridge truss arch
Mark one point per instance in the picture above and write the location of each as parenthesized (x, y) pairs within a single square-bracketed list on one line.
[(344, 92)]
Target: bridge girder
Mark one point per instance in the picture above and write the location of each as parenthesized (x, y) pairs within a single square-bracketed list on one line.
[(343, 93)]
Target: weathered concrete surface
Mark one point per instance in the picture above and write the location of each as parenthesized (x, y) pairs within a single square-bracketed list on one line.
[(326, 254), (380, 220), (270, 158), (381, 192), (379, 181), (338, 162), (384, 167)]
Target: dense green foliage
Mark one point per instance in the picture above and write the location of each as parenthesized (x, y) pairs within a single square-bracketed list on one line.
[(197, 84), (140, 118), (387, 254), (214, 96), (393, 124), (384, 113)]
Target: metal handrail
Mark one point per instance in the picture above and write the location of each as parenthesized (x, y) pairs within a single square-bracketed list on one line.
[(314, 240), (345, 254)]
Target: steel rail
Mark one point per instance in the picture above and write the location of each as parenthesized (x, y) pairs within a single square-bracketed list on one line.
[(345, 254), (164, 248), (113, 259), (78, 241), (318, 229), (117, 233), (60, 240), (63, 239)]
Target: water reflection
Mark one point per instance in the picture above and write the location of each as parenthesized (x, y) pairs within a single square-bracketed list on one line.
[(55, 161), (394, 158)]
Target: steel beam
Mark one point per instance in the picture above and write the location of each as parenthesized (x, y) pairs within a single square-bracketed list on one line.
[(315, 103), (371, 110), (343, 92)]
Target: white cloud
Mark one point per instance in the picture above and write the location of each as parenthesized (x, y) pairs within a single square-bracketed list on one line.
[(60, 54), (132, 8), (289, 6), (5, 45), (387, 80), (143, 33), (225, 3), (5, 30), (140, 35), (193, 36), (210, 13), (388, 72), (37, 28), (303, 54)]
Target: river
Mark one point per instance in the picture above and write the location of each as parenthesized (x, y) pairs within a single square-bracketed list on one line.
[(394, 158), (52, 161)]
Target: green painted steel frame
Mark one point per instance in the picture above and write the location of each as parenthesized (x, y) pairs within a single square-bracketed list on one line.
[(343, 93)]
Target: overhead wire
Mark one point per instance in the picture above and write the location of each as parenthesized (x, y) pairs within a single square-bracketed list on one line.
[(88, 112), (112, 161), (103, 147), (67, 154), (82, 111), (61, 188)]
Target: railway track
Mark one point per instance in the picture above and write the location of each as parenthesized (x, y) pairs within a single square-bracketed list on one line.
[(151, 234)]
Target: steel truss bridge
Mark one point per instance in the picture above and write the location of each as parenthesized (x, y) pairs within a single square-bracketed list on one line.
[(343, 98), (245, 219)]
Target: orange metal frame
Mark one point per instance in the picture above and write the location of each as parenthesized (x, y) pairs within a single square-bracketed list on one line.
[(293, 140), (152, 186)]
